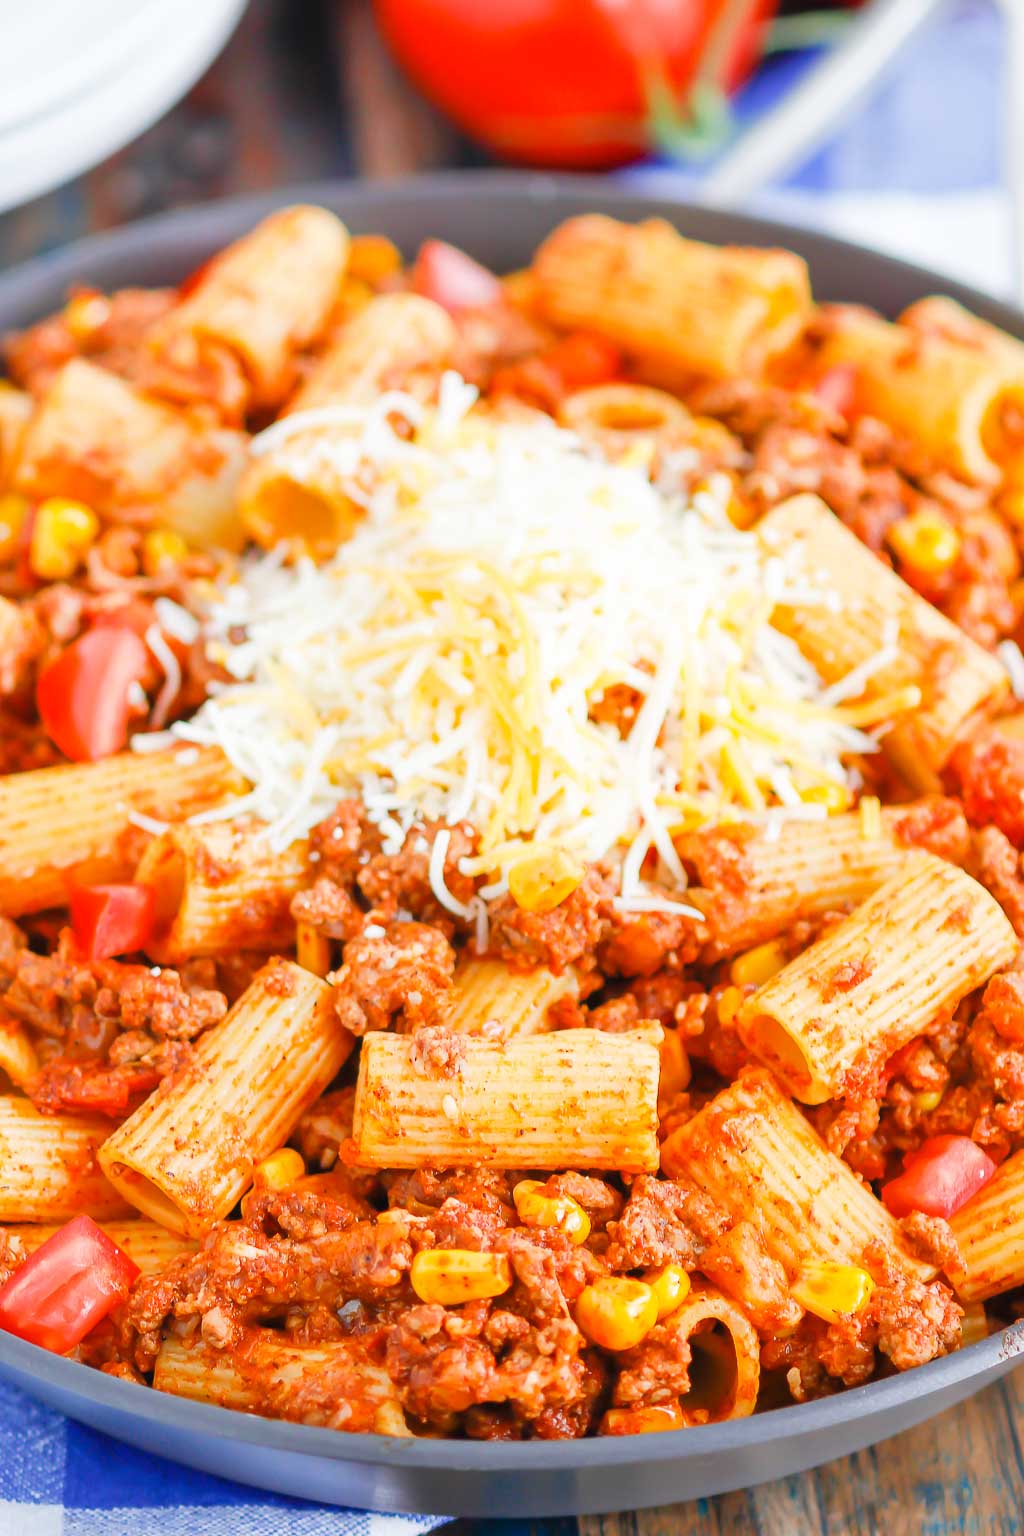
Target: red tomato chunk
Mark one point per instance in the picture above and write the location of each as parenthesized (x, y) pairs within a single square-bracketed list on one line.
[(84, 696), (66, 1287), (453, 279), (939, 1177), (112, 919)]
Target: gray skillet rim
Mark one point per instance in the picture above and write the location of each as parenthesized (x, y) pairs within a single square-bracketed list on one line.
[(490, 213)]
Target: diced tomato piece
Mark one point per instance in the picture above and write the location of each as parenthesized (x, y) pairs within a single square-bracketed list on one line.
[(83, 696), (67, 1286), (136, 614), (939, 1177), (577, 361), (452, 279), (112, 919), (582, 359), (837, 388)]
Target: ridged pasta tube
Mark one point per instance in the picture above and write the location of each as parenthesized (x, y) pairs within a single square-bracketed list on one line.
[(49, 1169), (677, 306), (186, 1154), (219, 887), (577, 1098), (751, 1149), (908, 954), (866, 608), (73, 824)]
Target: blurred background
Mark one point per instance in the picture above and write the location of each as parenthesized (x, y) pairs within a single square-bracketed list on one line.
[(895, 122)]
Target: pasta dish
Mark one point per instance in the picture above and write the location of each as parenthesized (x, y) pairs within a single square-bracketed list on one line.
[(511, 810)]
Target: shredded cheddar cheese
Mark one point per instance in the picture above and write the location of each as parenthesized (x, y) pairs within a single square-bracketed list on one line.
[(452, 658)]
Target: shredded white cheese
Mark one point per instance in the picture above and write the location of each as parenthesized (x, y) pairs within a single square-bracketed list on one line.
[(451, 660)]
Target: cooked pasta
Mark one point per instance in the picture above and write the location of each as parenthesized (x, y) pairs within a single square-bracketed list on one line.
[(185, 1156), (511, 817), (219, 889), (82, 823), (877, 980)]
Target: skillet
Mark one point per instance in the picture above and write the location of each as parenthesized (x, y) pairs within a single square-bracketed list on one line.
[(499, 217)]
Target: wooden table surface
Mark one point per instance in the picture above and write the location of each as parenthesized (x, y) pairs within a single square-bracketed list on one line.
[(303, 91)]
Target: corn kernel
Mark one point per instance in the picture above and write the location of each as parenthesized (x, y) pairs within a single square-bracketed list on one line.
[(834, 797), (536, 1208), (730, 1001), (831, 1291), (671, 1286), (642, 1421), (675, 1065), (61, 533), (86, 314), (927, 1100), (279, 1169), (160, 547), (312, 949), (870, 816), (372, 258), (616, 1312), (543, 879), (926, 541), (758, 965), (450, 1276), (739, 512), (13, 512)]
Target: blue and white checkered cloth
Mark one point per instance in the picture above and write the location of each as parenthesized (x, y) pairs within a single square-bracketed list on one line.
[(907, 173), (62, 1479)]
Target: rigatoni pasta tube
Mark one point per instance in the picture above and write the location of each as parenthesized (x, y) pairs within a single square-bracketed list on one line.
[(100, 440), (73, 823), (488, 998), (148, 1244), (989, 1231), (220, 887), (941, 316), (908, 954), (577, 1098), (298, 485), (17, 1053), (753, 886), (49, 1169), (751, 1149), (725, 1364), (944, 396), (866, 608), (258, 304), (336, 1385), (676, 306), (186, 1154), (15, 410)]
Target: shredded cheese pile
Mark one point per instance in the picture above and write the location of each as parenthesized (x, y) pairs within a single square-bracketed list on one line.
[(449, 661)]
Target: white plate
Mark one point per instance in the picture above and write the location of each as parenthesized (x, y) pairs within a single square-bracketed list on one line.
[(51, 148), (54, 50)]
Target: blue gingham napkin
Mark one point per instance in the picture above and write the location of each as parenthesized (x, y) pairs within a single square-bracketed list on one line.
[(917, 173), (58, 1478)]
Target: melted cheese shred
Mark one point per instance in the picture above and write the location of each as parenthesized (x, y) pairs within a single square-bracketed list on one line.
[(451, 659)]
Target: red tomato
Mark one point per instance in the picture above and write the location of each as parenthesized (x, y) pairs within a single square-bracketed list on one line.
[(837, 388), (576, 362), (83, 695), (66, 1287), (582, 359), (939, 1177), (112, 919), (452, 279), (566, 82)]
